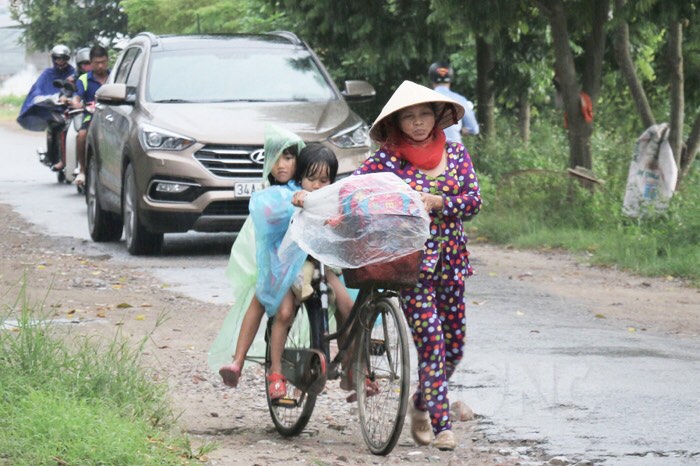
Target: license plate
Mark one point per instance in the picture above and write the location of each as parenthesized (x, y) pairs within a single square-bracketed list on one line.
[(243, 190)]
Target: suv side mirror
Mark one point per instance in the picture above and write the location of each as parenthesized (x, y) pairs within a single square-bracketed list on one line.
[(358, 91), (114, 94)]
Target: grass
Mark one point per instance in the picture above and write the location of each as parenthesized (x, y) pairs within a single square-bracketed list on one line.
[(530, 202), (9, 107), (77, 400)]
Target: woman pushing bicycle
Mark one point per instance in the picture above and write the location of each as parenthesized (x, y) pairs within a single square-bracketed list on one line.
[(413, 147)]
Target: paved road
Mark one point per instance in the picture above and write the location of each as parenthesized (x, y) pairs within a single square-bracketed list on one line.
[(539, 368)]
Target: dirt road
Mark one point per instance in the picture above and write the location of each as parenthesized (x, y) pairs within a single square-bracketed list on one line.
[(92, 293)]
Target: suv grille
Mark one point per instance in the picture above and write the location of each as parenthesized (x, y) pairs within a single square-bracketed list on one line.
[(230, 161), (238, 207)]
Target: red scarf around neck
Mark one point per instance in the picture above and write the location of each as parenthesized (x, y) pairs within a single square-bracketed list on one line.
[(424, 155)]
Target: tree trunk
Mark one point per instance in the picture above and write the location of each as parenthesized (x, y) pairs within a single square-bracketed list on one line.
[(485, 88), (688, 155), (524, 117), (675, 64), (579, 132), (595, 50), (624, 61)]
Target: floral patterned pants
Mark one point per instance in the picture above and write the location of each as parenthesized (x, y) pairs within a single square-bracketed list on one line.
[(436, 315)]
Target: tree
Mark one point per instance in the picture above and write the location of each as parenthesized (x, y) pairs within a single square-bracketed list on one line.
[(202, 16), (488, 21), (675, 17), (588, 19), (384, 42), (75, 24)]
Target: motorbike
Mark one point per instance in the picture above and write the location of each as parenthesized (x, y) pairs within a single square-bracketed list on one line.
[(61, 133)]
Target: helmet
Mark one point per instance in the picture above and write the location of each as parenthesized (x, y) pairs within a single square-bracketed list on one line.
[(60, 51), (82, 55), (440, 72)]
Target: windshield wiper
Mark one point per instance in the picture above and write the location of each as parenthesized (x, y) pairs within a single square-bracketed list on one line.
[(172, 101), (239, 100)]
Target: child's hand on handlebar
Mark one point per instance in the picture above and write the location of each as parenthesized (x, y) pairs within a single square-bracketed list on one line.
[(298, 198)]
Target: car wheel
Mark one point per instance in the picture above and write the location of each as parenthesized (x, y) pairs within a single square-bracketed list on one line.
[(103, 224), (139, 240)]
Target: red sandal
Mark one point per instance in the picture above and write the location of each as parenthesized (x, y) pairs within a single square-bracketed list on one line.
[(277, 386)]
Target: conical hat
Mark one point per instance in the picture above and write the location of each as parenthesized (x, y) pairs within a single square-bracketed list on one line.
[(447, 111)]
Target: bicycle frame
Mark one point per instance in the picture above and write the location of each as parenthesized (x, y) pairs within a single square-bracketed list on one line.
[(320, 336), (375, 334)]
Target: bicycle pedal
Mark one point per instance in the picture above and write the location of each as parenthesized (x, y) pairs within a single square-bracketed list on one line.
[(285, 403), (377, 347)]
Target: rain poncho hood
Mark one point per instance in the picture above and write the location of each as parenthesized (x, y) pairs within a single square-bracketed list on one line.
[(35, 117), (278, 139)]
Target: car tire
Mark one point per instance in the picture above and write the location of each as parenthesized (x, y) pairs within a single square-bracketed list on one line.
[(139, 241), (103, 225)]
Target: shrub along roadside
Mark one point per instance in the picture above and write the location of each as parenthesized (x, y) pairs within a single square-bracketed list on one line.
[(76, 400), (531, 202), (9, 107)]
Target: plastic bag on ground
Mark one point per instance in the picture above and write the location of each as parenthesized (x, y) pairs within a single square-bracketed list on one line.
[(653, 173), (360, 220)]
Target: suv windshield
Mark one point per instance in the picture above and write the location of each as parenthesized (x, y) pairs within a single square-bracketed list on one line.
[(229, 75)]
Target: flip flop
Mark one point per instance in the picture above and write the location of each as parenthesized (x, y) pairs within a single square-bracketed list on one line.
[(278, 385), (230, 374), (79, 180)]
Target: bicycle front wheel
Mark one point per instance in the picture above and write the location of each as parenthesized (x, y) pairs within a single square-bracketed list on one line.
[(382, 355)]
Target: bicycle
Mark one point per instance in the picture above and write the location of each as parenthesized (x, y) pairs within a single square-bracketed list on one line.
[(375, 332)]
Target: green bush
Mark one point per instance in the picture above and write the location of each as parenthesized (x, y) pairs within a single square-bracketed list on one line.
[(9, 106), (531, 201)]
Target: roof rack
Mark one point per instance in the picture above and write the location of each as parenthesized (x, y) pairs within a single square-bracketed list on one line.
[(151, 37), (290, 36)]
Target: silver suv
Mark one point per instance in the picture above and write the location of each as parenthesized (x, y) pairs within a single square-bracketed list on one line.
[(176, 141)]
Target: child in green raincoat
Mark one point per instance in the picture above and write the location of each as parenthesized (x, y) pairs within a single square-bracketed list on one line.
[(281, 150)]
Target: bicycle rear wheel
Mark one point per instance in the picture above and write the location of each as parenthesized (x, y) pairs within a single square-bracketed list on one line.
[(291, 413), (382, 355)]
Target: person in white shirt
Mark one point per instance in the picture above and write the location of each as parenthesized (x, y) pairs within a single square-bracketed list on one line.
[(441, 75)]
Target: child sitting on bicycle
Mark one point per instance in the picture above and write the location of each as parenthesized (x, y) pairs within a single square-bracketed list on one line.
[(281, 150), (316, 167)]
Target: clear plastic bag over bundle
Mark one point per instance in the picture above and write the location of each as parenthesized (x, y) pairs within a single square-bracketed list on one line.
[(360, 220)]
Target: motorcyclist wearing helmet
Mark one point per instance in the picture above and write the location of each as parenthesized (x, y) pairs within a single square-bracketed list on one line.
[(87, 86), (82, 61), (34, 117), (441, 76)]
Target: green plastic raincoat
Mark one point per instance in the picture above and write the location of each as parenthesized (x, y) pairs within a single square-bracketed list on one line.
[(242, 270)]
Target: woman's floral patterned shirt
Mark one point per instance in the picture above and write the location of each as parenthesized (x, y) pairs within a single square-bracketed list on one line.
[(445, 250)]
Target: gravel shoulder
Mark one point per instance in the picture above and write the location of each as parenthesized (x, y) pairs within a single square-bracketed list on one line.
[(92, 293)]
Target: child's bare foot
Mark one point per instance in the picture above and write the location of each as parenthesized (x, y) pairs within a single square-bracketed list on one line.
[(230, 373), (371, 389)]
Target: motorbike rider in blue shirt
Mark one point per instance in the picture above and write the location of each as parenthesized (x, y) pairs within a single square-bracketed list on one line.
[(86, 87)]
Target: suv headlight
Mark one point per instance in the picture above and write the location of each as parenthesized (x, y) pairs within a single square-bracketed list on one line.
[(152, 137), (357, 136)]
